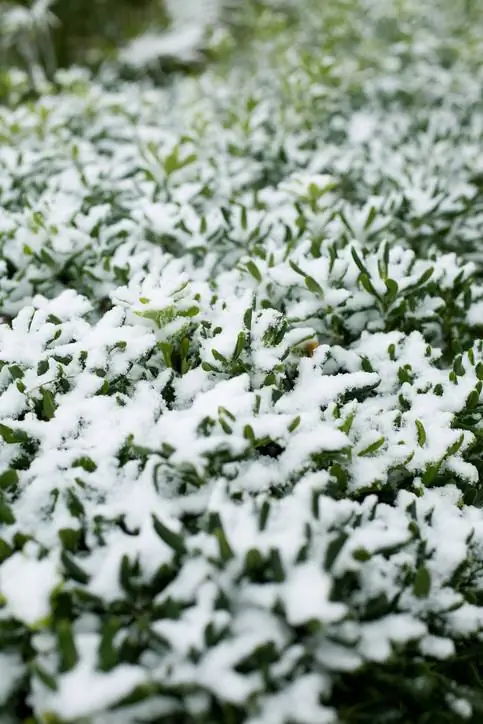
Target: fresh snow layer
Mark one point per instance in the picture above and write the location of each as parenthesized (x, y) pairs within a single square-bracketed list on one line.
[(241, 372)]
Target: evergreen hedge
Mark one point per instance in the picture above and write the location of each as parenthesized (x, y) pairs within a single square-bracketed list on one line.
[(241, 370)]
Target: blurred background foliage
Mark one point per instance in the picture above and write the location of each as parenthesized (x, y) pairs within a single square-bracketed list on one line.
[(85, 29), (41, 36)]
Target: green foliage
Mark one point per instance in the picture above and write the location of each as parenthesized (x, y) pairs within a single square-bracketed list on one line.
[(241, 365)]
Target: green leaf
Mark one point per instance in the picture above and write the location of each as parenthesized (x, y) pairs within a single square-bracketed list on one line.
[(225, 426), (244, 218), (296, 268), (333, 549), (347, 424), (190, 312), (73, 569), (226, 552), (473, 399), (247, 318), (47, 679), (6, 515), (5, 550), (426, 276), (74, 504), (253, 561), (48, 404), (368, 285), (263, 515), (455, 447), (85, 463), (362, 555), (422, 583), (107, 654), (294, 424), (173, 540), (248, 433), (421, 433), (313, 286), (69, 538), (13, 436), (431, 472), (8, 479), (218, 356), (458, 367), (370, 218), (239, 346), (66, 648), (358, 261), (277, 566), (392, 288), (254, 270), (372, 448), (16, 372)]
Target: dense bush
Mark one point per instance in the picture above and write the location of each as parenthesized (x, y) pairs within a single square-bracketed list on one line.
[(241, 373)]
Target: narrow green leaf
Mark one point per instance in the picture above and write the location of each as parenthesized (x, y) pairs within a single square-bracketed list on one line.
[(6, 514), (239, 346), (66, 648), (254, 270), (263, 516), (313, 286), (454, 448), (422, 583), (347, 424), (47, 679), (173, 540), (248, 433), (368, 285), (277, 565), (218, 356), (458, 366), (8, 479), (358, 261), (166, 350), (421, 433), (370, 218), (247, 318), (473, 399), (107, 654), (372, 448), (190, 312), (296, 268), (226, 552), (5, 550), (13, 436), (73, 569), (333, 549), (392, 287)]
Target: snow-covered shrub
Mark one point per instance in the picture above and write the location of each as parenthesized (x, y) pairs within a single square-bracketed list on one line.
[(241, 379)]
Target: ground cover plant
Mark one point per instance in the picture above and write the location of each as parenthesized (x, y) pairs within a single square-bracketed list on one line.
[(241, 365)]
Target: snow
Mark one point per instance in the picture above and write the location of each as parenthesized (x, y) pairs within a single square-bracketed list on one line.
[(240, 371), (104, 688), (306, 596), (26, 585)]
